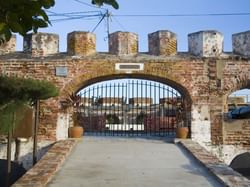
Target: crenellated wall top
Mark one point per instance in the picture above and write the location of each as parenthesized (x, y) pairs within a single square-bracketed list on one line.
[(207, 43)]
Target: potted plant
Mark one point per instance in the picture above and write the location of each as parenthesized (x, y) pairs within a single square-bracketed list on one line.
[(75, 131), (181, 130)]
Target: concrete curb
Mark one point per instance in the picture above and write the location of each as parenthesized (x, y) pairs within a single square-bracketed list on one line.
[(226, 175), (50, 163)]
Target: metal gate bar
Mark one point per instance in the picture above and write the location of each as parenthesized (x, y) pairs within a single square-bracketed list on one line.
[(130, 107)]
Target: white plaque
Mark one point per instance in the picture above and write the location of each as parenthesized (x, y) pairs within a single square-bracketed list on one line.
[(129, 67), (61, 71)]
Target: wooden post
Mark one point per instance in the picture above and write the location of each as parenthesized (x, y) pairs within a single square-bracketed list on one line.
[(9, 153), (8, 159), (37, 106), (18, 149)]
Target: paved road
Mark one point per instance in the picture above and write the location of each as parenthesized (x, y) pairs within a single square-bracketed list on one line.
[(130, 162)]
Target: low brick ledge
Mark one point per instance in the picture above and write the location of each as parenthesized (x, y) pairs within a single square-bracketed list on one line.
[(45, 168), (220, 170)]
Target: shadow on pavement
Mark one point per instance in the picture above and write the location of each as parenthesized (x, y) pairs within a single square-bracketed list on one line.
[(17, 171)]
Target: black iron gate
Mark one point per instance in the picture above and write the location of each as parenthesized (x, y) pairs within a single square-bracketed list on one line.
[(130, 107)]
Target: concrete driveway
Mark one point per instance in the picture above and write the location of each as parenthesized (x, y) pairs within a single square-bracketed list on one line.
[(130, 162)]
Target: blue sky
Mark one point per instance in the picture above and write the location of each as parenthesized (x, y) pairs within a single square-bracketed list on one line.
[(181, 25), (144, 25)]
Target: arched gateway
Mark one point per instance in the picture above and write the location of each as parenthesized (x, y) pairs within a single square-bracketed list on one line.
[(202, 78), (129, 106), (147, 91)]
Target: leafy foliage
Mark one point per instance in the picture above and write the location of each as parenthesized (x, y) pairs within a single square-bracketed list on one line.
[(74, 99), (15, 93), (13, 88), (22, 16), (113, 3), (11, 115)]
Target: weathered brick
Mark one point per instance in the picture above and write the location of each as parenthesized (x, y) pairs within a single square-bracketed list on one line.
[(43, 171), (162, 43), (8, 47), (41, 44), (200, 80), (81, 43), (123, 43), (241, 43), (205, 43)]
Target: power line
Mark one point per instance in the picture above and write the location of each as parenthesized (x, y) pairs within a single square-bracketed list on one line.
[(182, 15), (80, 15), (99, 22), (119, 23), (87, 15), (72, 13), (90, 15), (74, 18)]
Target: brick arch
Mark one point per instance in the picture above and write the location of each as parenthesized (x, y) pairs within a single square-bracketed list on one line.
[(237, 82), (81, 82), (172, 73), (241, 82), (169, 73)]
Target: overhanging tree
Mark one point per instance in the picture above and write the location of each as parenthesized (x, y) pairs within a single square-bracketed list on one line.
[(15, 93), (113, 3), (22, 16)]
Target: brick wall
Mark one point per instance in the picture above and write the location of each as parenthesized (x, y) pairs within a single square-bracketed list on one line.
[(237, 132), (205, 81)]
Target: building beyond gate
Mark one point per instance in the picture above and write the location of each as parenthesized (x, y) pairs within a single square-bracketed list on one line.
[(134, 107), (204, 77)]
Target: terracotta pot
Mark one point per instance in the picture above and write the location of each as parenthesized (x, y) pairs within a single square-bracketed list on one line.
[(75, 132), (182, 132)]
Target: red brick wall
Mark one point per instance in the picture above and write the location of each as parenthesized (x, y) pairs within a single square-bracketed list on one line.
[(203, 81)]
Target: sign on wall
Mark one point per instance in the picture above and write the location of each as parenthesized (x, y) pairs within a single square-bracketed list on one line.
[(129, 67), (61, 71)]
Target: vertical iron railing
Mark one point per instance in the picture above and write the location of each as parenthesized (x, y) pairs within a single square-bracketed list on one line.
[(131, 107)]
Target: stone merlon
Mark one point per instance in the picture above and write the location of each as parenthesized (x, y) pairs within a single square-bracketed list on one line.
[(81, 43), (123, 43), (41, 44), (8, 47), (241, 43), (208, 43), (205, 43), (162, 43)]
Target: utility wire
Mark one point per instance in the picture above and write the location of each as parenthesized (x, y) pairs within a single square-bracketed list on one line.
[(99, 22), (119, 23), (73, 13), (93, 14), (87, 15), (182, 15), (99, 13), (76, 17)]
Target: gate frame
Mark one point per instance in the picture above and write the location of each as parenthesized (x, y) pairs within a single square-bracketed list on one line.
[(82, 82)]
